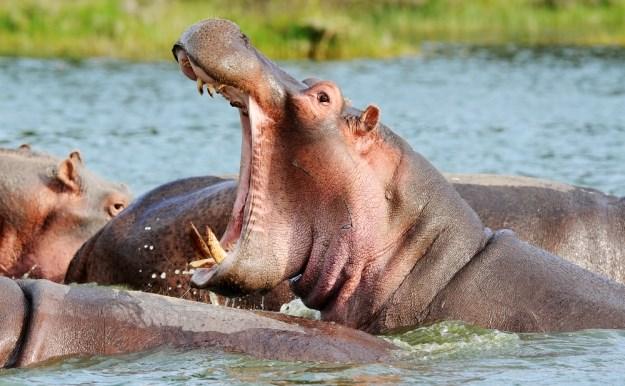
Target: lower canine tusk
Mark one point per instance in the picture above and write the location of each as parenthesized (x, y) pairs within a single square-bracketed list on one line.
[(218, 253), (201, 263), (209, 248)]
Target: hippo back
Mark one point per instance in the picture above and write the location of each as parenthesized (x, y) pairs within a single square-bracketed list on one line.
[(582, 225)]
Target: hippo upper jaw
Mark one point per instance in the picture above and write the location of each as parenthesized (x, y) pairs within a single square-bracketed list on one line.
[(216, 52)]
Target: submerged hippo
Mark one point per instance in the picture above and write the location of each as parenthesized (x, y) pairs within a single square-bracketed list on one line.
[(48, 208), (42, 321), (367, 230), (148, 246)]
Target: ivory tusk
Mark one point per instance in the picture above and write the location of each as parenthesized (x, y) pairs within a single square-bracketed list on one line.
[(217, 252), (209, 248), (201, 263)]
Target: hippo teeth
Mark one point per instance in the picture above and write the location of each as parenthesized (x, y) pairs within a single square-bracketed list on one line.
[(218, 253), (209, 248), (231, 94), (209, 87), (200, 86)]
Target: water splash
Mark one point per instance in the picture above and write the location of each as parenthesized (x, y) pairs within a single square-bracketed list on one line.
[(453, 339)]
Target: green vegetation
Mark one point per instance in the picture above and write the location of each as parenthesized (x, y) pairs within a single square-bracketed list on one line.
[(141, 29)]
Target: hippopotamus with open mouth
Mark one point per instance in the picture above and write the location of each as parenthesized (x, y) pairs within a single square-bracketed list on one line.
[(367, 230)]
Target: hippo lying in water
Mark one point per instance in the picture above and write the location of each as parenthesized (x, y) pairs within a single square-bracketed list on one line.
[(48, 208), (42, 321), (367, 231)]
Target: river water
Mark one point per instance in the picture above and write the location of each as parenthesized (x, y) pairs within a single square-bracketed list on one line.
[(549, 113)]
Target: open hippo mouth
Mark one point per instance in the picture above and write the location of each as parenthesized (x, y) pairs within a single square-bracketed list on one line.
[(218, 56), (252, 117)]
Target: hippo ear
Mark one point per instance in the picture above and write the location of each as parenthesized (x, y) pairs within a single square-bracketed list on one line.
[(365, 129), (75, 155), (311, 81), (68, 172), (370, 118)]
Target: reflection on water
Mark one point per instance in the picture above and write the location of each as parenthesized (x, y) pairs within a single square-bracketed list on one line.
[(547, 113)]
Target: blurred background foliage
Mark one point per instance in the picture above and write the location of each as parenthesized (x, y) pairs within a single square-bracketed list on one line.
[(339, 29)]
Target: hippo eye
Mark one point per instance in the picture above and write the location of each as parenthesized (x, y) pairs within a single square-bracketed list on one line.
[(115, 209), (323, 98)]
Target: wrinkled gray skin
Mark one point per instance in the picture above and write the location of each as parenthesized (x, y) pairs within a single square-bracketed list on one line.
[(48, 208), (148, 246), (43, 321), (368, 231)]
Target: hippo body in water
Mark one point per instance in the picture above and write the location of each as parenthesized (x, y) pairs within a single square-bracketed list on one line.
[(43, 321), (148, 246), (367, 230), (579, 224), (48, 208)]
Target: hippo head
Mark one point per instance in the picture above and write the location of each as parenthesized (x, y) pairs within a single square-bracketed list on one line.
[(50, 207), (325, 195), (84, 200)]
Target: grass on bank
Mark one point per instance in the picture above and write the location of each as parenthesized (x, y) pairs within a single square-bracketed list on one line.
[(283, 29)]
